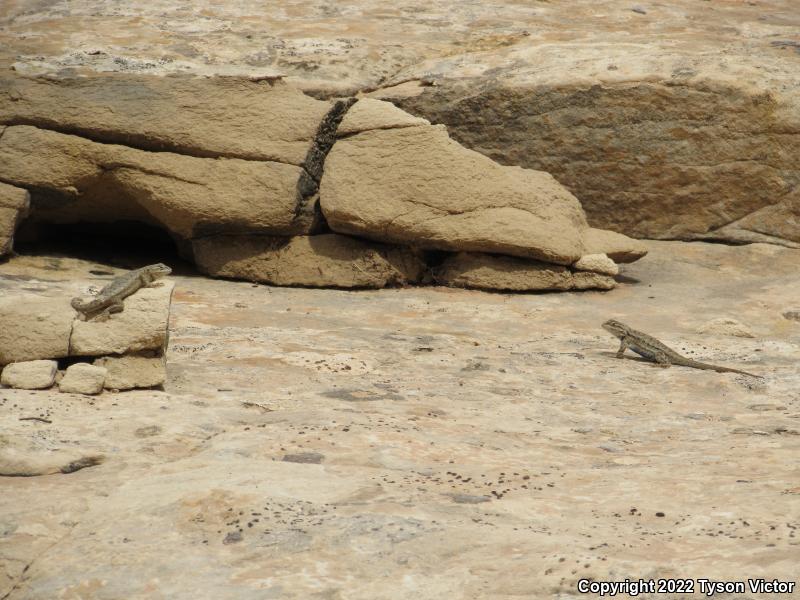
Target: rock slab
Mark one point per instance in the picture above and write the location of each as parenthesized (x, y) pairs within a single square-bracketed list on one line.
[(34, 327), (327, 260), (414, 185), (141, 370)]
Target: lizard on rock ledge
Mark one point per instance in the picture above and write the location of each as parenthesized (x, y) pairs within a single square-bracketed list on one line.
[(109, 299)]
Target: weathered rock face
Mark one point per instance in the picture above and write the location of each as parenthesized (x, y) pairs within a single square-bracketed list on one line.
[(139, 370), (415, 185), (142, 325), (89, 181), (34, 327), (488, 272), (14, 205), (264, 120), (676, 120), (328, 260)]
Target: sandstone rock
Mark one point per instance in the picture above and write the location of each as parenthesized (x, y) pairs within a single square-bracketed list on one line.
[(491, 272), (369, 113), (34, 327), (315, 261), (83, 378), (142, 325), (30, 375), (726, 326), (14, 205), (597, 263), (83, 180), (416, 186), (211, 117), (20, 457), (619, 248), (131, 371)]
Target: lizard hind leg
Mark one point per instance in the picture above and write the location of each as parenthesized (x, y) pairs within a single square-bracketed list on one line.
[(662, 360)]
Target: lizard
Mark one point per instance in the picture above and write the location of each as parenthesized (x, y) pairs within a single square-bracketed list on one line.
[(109, 299), (651, 349)]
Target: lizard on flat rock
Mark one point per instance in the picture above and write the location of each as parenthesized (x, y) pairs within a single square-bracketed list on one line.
[(651, 349), (109, 299)]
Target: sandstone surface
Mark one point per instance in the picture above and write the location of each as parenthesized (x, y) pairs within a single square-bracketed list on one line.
[(142, 325), (441, 443), (510, 273), (83, 378), (327, 260), (28, 457), (140, 370), (30, 375), (34, 327), (415, 185)]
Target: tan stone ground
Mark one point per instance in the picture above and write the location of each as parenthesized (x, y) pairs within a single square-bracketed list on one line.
[(330, 444)]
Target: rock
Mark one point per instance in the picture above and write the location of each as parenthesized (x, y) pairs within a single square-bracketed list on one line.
[(490, 272), (726, 326), (792, 315), (142, 370), (34, 327), (14, 205), (619, 248), (199, 116), (328, 260), (21, 457), (80, 180), (30, 375), (142, 325), (436, 194), (597, 263), (369, 113), (83, 378)]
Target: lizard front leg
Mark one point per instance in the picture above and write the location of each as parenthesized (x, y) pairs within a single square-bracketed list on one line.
[(623, 345)]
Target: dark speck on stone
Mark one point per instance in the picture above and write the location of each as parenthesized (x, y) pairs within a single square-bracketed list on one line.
[(233, 537), (660, 514), (639, 9), (469, 499), (312, 458)]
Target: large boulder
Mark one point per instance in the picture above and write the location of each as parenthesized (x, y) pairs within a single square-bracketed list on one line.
[(81, 180), (142, 325), (327, 260), (414, 185)]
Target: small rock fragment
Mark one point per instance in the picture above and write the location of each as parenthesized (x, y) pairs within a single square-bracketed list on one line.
[(30, 375), (83, 378), (597, 263), (792, 315), (312, 458)]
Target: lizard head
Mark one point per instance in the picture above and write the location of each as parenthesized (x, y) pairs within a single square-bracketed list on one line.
[(615, 328), (159, 270)]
